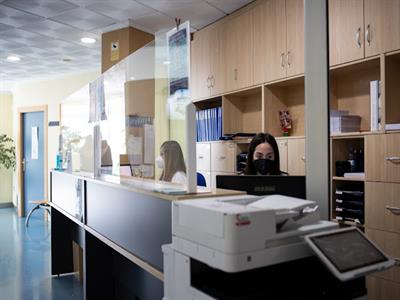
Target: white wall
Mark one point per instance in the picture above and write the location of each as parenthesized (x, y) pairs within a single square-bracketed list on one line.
[(6, 123), (47, 92)]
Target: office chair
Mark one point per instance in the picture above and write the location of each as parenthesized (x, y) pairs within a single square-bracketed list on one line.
[(39, 204), (201, 181)]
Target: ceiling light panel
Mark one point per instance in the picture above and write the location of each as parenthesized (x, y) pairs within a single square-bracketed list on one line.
[(121, 10), (13, 17), (43, 8), (83, 19)]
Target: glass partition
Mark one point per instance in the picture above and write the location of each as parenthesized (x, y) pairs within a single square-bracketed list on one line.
[(130, 122)]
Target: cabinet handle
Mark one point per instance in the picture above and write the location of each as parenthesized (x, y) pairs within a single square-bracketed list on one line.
[(282, 60), (368, 35), (287, 58), (201, 157), (212, 81), (394, 210), (303, 158), (208, 82), (358, 41), (393, 159), (222, 157)]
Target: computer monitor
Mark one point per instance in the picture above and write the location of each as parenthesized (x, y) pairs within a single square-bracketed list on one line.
[(293, 186)]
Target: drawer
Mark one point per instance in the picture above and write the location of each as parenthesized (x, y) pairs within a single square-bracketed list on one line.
[(382, 206), (213, 178), (390, 244), (283, 154), (380, 289), (207, 177), (223, 157), (382, 157), (203, 156)]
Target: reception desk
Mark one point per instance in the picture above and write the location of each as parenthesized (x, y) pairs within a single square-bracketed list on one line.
[(120, 229)]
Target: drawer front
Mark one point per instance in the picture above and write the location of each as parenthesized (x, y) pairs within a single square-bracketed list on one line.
[(380, 289), (382, 206), (203, 156), (283, 154), (390, 244), (207, 177), (382, 157), (213, 178), (296, 157), (223, 157)]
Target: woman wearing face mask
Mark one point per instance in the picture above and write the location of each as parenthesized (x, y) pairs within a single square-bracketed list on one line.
[(263, 156), (172, 163)]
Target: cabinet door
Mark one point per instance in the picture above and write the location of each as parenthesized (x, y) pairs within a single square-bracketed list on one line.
[(223, 157), (275, 39), (237, 52), (296, 157), (216, 60), (382, 26), (382, 157), (203, 156), (283, 154), (200, 65), (294, 37), (388, 242), (379, 289), (381, 203), (346, 31)]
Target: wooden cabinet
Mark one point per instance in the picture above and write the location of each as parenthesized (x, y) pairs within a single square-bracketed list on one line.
[(382, 26), (206, 70), (237, 51), (296, 156), (292, 155), (379, 289), (346, 31), (383, 157), (382, 206), (389, 243), (278, 31)]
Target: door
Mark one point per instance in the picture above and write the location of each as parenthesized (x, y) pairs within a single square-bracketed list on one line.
[(346, 31), (382, 23), (294, 37), (200, 68), (296, 156), (275, 39), (33, 159)]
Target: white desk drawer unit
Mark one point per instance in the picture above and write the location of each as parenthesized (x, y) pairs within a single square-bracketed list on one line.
[(203, 156), (223, 157)]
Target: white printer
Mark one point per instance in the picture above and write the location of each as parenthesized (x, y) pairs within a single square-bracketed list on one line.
[(231, 238)]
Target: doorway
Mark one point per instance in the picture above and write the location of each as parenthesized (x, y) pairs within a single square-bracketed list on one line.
[(32, 158)]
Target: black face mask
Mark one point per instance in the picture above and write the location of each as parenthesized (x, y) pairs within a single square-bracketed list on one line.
[(264, 166)]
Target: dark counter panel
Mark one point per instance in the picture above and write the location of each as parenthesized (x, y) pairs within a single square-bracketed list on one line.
[(137, 222)]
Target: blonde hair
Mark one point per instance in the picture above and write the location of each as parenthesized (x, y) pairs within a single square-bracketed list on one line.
[(173, 160)]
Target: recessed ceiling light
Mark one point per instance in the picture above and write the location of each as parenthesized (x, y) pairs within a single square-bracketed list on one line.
[(167, 62), (13, 58), (88, 40), (66, 59)]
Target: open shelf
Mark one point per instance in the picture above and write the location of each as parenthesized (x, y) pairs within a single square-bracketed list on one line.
[(392, 89), (340, 149), (348, 179), (350, 89), (242, 111), (287, 95)]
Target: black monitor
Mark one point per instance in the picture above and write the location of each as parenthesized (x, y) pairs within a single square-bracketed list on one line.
[(293, 186)]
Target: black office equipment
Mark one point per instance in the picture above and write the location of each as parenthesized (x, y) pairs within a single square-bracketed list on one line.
[(294, 186)]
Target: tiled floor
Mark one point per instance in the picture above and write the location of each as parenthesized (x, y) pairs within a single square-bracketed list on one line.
[(25, 261)]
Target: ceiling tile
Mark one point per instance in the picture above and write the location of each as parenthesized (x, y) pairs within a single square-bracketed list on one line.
[(115, 26), (4, 27), (199, 13), (12, 17), (228, 6), (34, 52), (7, 45), (83, 19), (121, 10), (61, 46), (153, 23), (23, 37), (43, 8)]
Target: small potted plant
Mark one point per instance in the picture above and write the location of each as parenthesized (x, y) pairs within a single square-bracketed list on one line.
[(7, 152)]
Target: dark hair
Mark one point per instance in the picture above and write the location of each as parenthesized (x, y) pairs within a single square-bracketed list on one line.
[(173, 160), (257, 140)]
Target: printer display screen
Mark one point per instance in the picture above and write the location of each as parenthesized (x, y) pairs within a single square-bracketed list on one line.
[(348, 250)]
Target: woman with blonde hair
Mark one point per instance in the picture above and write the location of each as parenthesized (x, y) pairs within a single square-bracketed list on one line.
[(172, 163)]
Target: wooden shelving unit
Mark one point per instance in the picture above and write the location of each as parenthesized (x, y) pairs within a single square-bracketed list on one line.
[(348, 178)]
